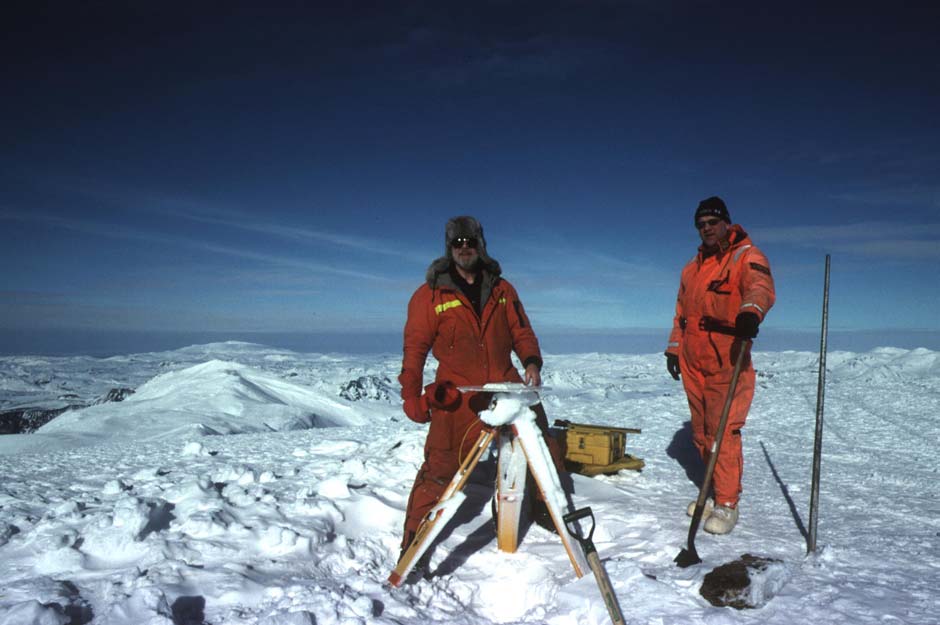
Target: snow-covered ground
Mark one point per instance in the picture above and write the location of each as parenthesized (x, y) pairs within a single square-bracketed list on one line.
[(243, 484)]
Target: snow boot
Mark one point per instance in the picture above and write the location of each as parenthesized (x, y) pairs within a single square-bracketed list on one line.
[(722, 519), (706, 512)]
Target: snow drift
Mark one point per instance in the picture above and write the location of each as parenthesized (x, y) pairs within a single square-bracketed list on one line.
[(212, 398)]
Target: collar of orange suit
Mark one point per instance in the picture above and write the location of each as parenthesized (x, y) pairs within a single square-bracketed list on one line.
[(736, 234)]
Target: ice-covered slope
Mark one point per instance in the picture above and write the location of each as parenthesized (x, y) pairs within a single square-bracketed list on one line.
[(216, 397)]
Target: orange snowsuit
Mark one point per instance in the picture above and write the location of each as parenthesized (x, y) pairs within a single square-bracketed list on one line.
[(471, 350), (713, 290)]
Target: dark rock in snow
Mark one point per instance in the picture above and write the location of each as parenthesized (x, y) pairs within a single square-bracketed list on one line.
[(367, 387), (28, 420), (748, 582), (115, 394), (6, 531)]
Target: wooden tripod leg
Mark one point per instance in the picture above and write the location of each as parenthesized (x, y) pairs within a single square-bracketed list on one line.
[(441, 513), (543, 457), (510, 491)]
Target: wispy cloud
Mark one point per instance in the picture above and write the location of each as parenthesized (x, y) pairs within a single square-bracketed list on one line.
[(874, 239), (246, 222), (453, 52), (592, 268), (32, 297), (115, 231), (196, 211), (856, 231), (896, 248), (909, 194), (904, 155)]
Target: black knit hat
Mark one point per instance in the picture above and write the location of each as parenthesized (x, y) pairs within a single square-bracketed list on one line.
[(712, 206)]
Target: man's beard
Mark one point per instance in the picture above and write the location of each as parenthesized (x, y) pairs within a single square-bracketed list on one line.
[(467, 264)]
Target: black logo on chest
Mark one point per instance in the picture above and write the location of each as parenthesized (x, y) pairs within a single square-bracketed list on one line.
[(715, 286)]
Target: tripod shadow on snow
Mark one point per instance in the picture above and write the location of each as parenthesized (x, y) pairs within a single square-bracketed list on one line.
[(682, 450), (480, 492), (477, 504), (786, 493)]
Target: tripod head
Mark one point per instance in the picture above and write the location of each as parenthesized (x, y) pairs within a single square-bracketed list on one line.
[(507, 401)]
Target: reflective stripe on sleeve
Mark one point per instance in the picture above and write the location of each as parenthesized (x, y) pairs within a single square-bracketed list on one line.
[(454, 303), (743, 249)]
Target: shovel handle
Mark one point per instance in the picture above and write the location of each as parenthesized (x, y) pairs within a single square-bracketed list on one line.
[(607, 590), (689, 556), (577, 515)]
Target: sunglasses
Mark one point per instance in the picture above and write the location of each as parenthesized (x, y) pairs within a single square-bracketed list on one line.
[(707, 222), (461, 242)]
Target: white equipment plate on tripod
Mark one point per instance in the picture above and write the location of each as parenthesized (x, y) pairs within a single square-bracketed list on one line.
[(505, 387)]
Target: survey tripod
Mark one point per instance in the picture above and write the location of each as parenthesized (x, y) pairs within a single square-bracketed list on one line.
[(520, 448)]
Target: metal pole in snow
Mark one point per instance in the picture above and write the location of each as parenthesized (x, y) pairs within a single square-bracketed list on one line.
[(820, 395)]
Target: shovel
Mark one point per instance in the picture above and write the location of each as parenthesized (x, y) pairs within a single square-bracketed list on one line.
[(689, 556), (594, 561)]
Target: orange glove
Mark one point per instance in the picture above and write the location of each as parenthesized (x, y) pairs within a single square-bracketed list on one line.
[(417, 409), (444, 395)]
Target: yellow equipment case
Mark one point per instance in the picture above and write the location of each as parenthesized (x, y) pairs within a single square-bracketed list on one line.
[(597, 449)]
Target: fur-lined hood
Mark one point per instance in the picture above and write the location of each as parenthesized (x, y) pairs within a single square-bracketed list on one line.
[(438, 274)]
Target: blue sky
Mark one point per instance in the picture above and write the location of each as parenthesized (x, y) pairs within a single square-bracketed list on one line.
[(235, 170)]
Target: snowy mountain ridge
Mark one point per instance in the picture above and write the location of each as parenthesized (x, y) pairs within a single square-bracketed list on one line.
[(211, 398)]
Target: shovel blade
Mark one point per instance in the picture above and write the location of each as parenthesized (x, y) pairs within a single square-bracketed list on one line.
[(687, 557)]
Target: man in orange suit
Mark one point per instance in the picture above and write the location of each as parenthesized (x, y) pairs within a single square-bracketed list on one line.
[(725, 293), (471, 320)]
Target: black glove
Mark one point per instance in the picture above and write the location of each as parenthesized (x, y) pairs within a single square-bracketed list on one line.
[(672, 366), (745, 325)]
